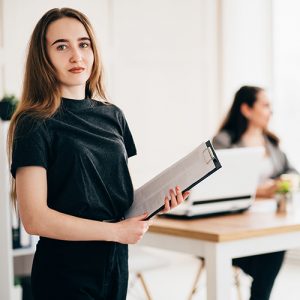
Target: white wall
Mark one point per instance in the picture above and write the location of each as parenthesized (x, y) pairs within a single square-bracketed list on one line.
[(286, 54), (246, 46), (188, 58), (1, 50), (164, 66)]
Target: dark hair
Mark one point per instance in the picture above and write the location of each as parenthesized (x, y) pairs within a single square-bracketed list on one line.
[(235, 122)]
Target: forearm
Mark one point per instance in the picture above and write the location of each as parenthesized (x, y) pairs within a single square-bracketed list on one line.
[(53, 224), (266, 189), (261, 195)]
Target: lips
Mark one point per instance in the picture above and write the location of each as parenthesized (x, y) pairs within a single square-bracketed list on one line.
[(76, 70)]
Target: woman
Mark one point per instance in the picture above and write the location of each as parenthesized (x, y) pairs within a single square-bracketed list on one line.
[(69, 159), (246, 125)]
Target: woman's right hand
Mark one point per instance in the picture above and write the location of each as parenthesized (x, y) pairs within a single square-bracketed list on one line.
[(131, 230), (267, 189)]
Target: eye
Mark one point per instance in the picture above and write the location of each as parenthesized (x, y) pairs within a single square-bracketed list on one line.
[(61, 47), (84, 45)]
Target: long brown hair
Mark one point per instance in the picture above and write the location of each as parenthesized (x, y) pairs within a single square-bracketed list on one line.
[(235, 123), (41, 95)]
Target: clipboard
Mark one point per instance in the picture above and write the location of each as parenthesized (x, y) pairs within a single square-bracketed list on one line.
[(186, 173)]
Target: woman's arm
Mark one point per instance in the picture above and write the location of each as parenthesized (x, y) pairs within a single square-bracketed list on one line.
[(39, 219), (267, 189)]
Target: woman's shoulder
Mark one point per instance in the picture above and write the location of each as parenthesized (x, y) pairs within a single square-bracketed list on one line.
[(222, 140), (106, 105), (28, 119), (29, 123), (110, 108)]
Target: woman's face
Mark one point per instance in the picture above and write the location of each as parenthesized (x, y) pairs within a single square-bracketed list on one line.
[(70, 52), (259, 115)]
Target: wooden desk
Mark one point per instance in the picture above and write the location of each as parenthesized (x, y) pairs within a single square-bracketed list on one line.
[(220, 239)]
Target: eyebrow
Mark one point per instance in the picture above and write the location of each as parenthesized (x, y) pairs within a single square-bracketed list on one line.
[(65, 40)]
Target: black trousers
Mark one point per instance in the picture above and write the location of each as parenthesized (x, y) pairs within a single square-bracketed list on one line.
[(263, 269), (79, 270)]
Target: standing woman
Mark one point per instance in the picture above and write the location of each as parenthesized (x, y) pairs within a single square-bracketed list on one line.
[(246, 125), (69, 149)]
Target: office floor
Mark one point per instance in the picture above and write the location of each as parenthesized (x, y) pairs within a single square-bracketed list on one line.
[(174, 280)]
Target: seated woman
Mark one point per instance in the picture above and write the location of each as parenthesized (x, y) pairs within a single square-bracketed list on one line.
[(246, 125)]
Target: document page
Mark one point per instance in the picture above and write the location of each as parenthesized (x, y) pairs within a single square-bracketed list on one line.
[(185, 173)]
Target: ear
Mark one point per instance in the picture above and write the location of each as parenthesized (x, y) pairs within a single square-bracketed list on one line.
[(246, 111)]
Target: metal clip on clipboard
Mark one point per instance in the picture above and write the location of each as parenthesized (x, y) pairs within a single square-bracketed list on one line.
[(209, 155)]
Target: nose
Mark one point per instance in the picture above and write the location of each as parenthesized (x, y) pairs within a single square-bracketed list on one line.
[(76, 56)]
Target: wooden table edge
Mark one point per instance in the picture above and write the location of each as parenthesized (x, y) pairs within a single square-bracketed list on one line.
[(226, 237)]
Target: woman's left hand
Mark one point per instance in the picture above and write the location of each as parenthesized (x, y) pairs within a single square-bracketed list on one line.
[(176, 198)]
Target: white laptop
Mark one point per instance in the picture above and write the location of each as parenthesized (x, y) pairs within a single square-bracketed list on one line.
[(231, 189)]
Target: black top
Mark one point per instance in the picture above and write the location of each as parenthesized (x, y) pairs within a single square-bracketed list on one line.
[(84, 147)]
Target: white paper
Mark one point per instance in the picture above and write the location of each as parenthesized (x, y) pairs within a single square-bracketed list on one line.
[(189, 169)]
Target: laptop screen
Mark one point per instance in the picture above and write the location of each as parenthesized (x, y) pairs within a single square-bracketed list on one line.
[(236, 180)]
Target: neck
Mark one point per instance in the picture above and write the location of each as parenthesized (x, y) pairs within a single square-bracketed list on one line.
[(253, 136), (73, 92), (254, 131)]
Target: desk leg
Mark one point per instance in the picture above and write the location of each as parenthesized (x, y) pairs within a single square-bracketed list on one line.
[(219, 272)]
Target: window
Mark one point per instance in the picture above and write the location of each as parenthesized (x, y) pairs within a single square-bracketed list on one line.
[(286, 67)]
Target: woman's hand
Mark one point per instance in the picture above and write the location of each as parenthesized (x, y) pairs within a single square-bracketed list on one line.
[(176, 198), (267, 189), (131, 230)]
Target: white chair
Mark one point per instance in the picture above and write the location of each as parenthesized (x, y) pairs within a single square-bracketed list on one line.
[(141, 260), (236, 274)]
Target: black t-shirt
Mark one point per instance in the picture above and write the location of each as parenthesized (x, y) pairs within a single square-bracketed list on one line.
[(85, 148)]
